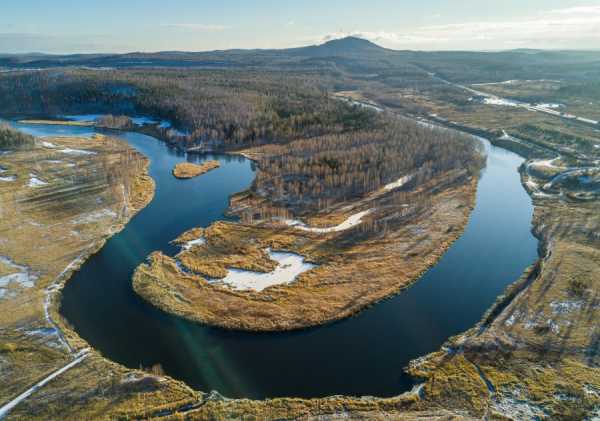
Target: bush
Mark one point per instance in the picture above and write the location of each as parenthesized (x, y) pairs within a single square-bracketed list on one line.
[(13, 139)]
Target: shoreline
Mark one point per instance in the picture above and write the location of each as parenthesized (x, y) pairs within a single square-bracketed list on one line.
[(270, 401), (427, 262)]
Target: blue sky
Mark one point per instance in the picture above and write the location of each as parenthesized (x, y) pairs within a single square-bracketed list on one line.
[(62, 26)]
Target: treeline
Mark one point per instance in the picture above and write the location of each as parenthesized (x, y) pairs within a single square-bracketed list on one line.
[(110, 121), (318, 172), (226, 109), (13, 139)]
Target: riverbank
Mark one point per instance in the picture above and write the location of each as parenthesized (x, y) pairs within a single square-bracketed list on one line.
[(87, 189), (188, 284), (534, 354), (204, 406)]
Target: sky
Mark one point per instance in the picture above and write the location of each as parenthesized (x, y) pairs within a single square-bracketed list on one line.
[(104, 26)]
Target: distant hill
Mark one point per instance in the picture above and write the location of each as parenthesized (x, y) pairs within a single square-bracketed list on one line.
[(349, 46), (352, 55)]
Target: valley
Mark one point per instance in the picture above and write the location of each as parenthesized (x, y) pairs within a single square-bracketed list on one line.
[(374, 207)]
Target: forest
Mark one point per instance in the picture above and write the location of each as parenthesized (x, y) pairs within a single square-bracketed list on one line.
[(229, 109), (13, 139), (314, 150), (315, 173)]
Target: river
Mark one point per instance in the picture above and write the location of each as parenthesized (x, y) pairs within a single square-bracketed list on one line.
[(362, 355)]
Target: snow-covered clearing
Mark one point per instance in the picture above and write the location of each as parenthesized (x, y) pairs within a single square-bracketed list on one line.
[(22, 277), (351, 221), (499, 101), (289, 267), (48, 145), (197, 242), (34, 181), (398, 183), (95, 216), (70, 151)]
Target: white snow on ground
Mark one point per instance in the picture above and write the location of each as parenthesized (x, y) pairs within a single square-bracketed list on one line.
[(8, 179), (70, 151), (21, 277), (95, 216), (499, 101), (192, 243), (550, 105), (289, 267), (398, 183), (562, 307), (35, 182), (545, 163), (518, 409), (79, 357), (352, 221), (48, 145), (587, 120)]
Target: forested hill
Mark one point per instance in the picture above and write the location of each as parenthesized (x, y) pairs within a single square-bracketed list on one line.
[(352, 55)]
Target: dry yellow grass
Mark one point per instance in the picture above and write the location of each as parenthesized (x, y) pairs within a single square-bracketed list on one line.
[(189, 170), (335, 289), (46, 228)]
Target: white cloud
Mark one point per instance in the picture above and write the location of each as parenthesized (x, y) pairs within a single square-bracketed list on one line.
[(575, 27), (196, 27)]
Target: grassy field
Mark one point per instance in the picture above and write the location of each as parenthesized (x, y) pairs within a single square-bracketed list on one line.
[(48, 228), (383, 249), (189, 170)]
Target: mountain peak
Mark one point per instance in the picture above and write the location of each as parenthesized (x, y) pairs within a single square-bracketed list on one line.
[(341, 47), (350, 44)]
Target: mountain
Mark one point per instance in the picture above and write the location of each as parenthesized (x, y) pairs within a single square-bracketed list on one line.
[(349, 46), (352, 55)]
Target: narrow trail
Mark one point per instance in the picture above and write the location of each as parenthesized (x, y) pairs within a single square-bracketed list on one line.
[(6, 408)]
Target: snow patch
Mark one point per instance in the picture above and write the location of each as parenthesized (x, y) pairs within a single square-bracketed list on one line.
[(70, 151), (518, 409), (565, 307), (48, 145), (513, 318), (95, 216), (36, 182), (197, 242), (22, 277), (289, 267), (499, 101), (352, 221), (8, 179), (398, 183)]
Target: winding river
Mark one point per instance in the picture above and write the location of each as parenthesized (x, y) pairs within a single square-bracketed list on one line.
[(363, 355)]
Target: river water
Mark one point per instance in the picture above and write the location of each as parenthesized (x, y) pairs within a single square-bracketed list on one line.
[(363, 355)]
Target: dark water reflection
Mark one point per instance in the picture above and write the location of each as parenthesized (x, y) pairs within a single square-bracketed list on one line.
[(364, 355)]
